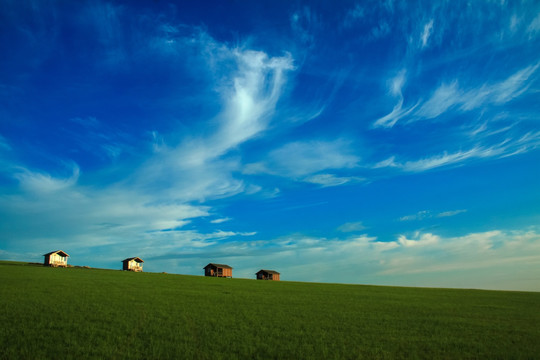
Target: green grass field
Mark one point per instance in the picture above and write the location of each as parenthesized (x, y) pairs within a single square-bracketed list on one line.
[(78, 313)]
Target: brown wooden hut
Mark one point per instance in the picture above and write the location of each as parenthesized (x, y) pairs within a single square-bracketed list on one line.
[(132, 264), (218, 270), (56, 258), (267, 275)]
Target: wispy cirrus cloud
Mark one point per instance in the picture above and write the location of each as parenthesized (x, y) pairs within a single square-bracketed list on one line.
[(398, 112), (534, 27), (220, 220), (500, 92), (43, 183), (427, 214), (252, 99), (201, 166), (326, 180), (446, 96), (305, 24), (352, 227), (428, 28), (508, 147), (450, 213), (450, 96), (309, 161)]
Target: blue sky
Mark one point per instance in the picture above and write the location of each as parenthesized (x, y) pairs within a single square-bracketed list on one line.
[(370, 142)]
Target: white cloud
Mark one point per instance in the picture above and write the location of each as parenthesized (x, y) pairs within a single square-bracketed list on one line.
[(390, 162), (352, 227), (497, 93), (426, 33), (394, 116), (305, 160), (501, 92), (426, 214), (507, 147), (418, 216), (514, 23), (396, 85), (326, 180), (43, 183), (226, 234), (73, 216), (441, 160), (534, 26), (250, 102), (449, 95), (442, 99), (418, 240), (220, 220), (202, 166), (451, 213)]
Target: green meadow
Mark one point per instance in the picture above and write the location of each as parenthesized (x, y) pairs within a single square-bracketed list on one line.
[(78, 313)]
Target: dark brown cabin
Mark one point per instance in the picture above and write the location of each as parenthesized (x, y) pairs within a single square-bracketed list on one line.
[(267, 275), (132, 264), (218, 270), (56, 258)]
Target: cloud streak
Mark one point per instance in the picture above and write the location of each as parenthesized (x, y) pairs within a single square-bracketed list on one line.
[(309, 161), (449, 95), (426, 33)]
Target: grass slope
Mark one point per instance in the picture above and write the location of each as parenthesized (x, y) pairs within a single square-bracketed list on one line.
[(106, 314)]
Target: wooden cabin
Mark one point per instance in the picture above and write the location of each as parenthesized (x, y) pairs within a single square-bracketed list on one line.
[(132, 264), (218, 270), (56, 258), (267, 275)]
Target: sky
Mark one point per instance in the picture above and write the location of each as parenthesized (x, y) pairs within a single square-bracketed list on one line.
[(362, 142)]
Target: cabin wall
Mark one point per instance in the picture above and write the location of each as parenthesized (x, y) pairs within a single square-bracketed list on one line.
[(218, 272), (227, 272), (55, 260), (267, 276), (134, 265)]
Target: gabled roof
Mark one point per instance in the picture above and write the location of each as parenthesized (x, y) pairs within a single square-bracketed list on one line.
[(59, 252), (218, 266), (137, 259), (268, 271)]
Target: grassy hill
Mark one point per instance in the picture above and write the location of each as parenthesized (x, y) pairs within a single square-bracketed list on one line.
[(108, 314)]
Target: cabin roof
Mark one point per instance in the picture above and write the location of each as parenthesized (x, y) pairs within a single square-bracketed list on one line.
[(59, 252), (268, 271), (223, 266), (137, 259)]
